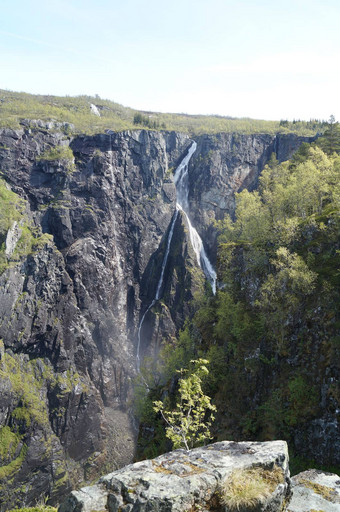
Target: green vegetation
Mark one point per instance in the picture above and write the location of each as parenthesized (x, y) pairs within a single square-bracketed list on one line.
[(12, 452), (29, 382), (27, 389), (187, 424), (147, 122), (9, 442), (249, 488), (76, 111), (8, 471), (11, 207), (279, 261), (271, 331), (12, 210), (59, 153)]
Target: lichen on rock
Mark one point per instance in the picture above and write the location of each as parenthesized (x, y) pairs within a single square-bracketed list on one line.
[(186, 480)]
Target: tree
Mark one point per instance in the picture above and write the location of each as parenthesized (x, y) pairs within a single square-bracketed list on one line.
[(283, 293), (187, 424), (330, 141)]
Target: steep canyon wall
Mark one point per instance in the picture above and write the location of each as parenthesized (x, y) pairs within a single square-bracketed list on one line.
[(96, 220)]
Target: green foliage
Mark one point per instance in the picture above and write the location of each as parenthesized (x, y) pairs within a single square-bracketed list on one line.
[(12, 210), (272, 327), (62, 154), (282, 293), (9, 470), (298, 464), (187, 424), (9, 442), (146, 121), (144, 384), (76, 111), (27, 390), (303, 398), (330, 141), (57, 153), (177, 353)]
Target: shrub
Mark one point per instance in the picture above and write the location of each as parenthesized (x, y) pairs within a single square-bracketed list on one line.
[(187, 424)]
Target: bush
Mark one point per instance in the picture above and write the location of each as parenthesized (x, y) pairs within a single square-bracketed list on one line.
[(187, 424)]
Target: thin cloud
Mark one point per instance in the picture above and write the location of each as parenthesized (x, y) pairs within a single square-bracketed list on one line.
[(58, 47)]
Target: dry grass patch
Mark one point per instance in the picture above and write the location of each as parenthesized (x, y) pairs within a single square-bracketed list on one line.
[(248, 488)]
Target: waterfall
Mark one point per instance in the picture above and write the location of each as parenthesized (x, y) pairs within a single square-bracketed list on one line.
[(159, 286), (181, 179), (166, 255), (182, 205), (139, 333)]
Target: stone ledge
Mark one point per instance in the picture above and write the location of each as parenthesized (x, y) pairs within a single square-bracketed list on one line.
[(315, 490), (183, 480)]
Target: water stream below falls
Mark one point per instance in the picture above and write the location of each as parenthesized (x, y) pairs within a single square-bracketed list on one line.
[(181, 180), (159, 286)]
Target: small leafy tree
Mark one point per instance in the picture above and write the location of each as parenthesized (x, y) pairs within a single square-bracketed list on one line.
[(187, 424)]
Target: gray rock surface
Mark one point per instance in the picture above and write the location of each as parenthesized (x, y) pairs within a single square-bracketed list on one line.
[(12, 238), (183, 480), (226, 163), (315, 490), (70, 309)]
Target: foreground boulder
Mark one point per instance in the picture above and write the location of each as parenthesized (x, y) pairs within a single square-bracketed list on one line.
[(315, 490), (188, 480)]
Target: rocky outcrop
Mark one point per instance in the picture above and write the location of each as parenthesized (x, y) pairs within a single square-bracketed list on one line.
[(315, 490), (95, 214), (187, 480)]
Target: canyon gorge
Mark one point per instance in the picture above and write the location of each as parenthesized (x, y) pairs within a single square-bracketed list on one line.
[(106, 276)]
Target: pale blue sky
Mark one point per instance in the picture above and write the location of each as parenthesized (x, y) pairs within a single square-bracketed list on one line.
[(262, 59)]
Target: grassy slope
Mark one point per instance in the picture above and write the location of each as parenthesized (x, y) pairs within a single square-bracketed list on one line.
[(16, 106)]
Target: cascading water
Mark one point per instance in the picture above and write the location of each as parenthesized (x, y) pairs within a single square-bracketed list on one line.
[(159, 286), (182, 193), (181, 179)]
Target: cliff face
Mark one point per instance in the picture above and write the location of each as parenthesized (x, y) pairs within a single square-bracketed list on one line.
[(71, 302), (227, 163)]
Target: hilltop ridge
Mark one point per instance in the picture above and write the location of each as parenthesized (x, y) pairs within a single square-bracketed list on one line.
[(92, 114)]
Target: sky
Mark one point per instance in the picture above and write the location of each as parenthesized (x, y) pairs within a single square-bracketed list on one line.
[(260, 59)]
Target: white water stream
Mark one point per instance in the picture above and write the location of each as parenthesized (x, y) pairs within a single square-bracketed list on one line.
[(159, 286), (182, 192), (181, 179)]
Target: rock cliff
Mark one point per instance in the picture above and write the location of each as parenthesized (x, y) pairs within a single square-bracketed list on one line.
[(224, 164), (80, 263)]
